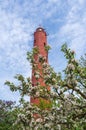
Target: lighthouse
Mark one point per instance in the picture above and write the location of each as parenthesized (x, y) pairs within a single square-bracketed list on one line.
[(40, 42)]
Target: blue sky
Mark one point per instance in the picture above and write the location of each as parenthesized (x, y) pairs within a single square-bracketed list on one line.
[(64, 20)]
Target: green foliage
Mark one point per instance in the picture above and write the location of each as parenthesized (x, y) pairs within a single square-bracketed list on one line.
[(11, 85), (8, 115), (47, 47), (35, 50), (44, 104)]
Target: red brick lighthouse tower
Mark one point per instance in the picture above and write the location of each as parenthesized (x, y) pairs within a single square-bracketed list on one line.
[(40, 41)]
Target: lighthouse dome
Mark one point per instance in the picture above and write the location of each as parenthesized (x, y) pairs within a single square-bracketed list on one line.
[(39, 29)]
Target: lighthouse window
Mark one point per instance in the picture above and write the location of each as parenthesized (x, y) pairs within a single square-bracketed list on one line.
[(34, 41), (44, 43)]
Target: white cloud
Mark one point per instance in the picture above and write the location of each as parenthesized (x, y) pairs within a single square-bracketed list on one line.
[(74, 30), (82, 2), (15, 38)]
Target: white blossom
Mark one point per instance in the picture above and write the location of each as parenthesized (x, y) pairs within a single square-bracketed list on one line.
[(71, 67), (39, 120), (54, 80), (44, 65)]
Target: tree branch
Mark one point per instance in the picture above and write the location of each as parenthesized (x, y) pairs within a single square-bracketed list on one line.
[(75, 89)]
